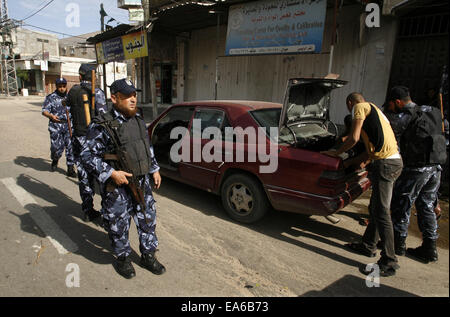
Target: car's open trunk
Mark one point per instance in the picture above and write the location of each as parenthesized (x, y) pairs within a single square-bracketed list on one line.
[(305, 122)]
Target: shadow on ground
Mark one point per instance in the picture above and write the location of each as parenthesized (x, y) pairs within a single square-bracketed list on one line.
[(354, 286), (93, 243), (284, 226)]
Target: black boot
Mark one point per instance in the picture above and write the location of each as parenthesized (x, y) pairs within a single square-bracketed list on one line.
[(426, 252), (54, 165), (70, 171), (124, 267), (91, 215), (399, 244), (150, 262)]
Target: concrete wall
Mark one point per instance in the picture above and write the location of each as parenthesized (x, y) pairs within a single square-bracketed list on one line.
[(367, 67), (264, 77), (27, 44)]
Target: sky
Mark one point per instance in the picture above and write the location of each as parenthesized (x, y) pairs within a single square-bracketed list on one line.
[(61, 15)]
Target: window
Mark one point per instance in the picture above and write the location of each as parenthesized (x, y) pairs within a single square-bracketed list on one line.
[(176, 117), (267, 118), (208, 118)]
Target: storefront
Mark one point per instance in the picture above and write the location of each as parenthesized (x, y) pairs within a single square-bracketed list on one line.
[(193, 42)]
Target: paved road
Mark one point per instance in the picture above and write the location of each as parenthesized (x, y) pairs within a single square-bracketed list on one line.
[(44, 242)]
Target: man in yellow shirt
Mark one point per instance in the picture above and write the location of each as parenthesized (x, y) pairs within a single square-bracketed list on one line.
[(370, 124)]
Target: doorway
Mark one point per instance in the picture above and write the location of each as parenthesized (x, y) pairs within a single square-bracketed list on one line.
[(421, 53), (166, 83)]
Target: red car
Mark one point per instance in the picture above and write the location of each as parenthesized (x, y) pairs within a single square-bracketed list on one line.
[(212, 145)]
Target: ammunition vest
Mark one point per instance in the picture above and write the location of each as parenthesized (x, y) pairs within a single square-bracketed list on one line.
[(75, 98), (132, 137)]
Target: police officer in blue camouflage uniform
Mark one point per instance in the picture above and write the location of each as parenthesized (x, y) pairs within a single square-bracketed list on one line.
[(86, 181), (54, 109), (418, 184), (118, 202)]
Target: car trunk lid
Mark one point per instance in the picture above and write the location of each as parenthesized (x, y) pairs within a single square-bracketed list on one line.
[(307, 99)]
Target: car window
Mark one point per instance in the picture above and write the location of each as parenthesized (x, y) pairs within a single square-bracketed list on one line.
[(209, 118), (162, 143), (267, 118), (180, 115)]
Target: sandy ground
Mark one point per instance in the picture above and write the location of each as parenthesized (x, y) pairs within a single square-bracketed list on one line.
[(205, 253)]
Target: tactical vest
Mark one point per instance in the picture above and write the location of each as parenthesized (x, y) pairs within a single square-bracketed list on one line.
[(132, 137), (423, 142), (75, 98)]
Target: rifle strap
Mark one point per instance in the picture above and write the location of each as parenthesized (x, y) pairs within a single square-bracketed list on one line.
[(110, 157)]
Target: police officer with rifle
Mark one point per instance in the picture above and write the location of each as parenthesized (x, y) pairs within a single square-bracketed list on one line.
[(119, 153), (85, 102), (54, 108)]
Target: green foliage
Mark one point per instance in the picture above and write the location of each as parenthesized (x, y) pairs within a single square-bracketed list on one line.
[(23, 74)]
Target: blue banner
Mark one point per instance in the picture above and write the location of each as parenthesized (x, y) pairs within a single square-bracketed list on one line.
[(276, 27), (113, 50)]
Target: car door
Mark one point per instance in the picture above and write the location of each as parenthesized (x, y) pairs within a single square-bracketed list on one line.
[(206, 148), (163, 144)]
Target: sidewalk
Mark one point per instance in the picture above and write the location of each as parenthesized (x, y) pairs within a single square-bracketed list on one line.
[(30, 97), (147, 107)]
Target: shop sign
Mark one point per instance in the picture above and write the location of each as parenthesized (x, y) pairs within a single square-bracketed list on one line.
[(276, 27), (121, 48)]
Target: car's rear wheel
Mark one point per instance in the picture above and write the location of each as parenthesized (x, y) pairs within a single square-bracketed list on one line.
[(244, 199)]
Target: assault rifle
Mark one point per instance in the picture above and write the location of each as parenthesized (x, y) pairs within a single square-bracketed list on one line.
[(64, 103), (444, 81), (122, 162)]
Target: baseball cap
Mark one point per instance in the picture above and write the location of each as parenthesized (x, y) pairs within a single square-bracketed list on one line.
[(123, 86), (60, 81), (85, 70), (398, 92)]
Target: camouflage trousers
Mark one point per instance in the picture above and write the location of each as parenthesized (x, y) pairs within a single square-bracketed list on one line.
[(86, 181), (118, 207), (417, 186), (60, 140)]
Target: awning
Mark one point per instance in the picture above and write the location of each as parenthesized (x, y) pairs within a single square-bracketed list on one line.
[(119, 30)]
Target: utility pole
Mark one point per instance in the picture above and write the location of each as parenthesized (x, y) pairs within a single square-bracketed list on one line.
[(8, 64), (218, 13), (147, 21), (102, 25), (42, 63)]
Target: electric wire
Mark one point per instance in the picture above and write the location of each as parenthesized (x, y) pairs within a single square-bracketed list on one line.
[(48, 30), (38, 10)]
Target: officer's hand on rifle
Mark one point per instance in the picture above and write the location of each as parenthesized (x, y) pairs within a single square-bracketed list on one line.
[(157, 179), (120, 177), (52, 117), (55, 119)]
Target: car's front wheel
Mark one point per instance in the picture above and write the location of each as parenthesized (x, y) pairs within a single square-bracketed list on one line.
[(244, 199)]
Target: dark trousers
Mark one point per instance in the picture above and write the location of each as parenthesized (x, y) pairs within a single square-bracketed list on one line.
[(417, 185), (86, 182), (382, 175)]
